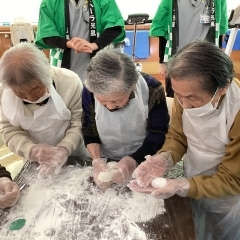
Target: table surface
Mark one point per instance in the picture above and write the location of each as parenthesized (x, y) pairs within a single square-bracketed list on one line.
[(175, 223)]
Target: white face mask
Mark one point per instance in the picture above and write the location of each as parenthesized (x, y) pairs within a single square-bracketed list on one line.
[(41, 99), (203, 110)]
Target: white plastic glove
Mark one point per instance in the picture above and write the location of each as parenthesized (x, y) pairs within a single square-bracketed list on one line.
[(9, 192), (124, 168), (179, 186), (154, 166), (49, 155), (45, 171), (100, 165), (51, 159)]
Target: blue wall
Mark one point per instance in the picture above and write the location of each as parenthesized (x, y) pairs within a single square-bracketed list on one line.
[(142, 49), (236, 45)]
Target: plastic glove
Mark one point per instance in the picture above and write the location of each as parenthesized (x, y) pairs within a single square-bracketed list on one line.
[(154, 166), (100, 165), (49, 155), (45, 171), (124, 168), (9, 192), (179, 186)]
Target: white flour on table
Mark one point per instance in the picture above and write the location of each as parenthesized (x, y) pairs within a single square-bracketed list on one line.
[(71, 207)]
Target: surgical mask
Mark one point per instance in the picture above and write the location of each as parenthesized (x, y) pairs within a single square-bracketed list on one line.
[(117, 108), (203, 110), (41, 99)]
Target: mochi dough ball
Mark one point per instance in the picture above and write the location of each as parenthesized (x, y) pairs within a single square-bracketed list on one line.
[(159, 182), (108, 175)]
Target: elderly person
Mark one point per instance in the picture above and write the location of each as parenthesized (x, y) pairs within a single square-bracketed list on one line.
[(9, 191), (205, 128), (125, 115), (40, 108)]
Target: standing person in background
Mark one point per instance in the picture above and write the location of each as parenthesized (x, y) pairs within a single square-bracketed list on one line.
[(177, 23), (75, 29)]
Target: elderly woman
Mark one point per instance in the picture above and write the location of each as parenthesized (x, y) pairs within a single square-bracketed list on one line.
[(40, 108), (125, 116), (9, 191), (205, 128)]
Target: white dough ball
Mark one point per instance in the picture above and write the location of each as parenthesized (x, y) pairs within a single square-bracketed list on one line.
[(106, 176), (112, 164), (159, 182)]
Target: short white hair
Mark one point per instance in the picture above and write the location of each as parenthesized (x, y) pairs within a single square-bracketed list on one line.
[(110, 72), (24, 64)]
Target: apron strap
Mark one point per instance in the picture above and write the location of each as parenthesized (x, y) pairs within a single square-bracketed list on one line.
[(92, 23), (211, 37), (175, 27), (67, 19), (67, 53)]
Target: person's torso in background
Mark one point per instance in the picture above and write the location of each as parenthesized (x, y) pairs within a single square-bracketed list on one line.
[(190, 27), (79, 22)]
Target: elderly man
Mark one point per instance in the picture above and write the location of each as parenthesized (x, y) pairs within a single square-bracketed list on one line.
[(125, 115), (41, 108), (9, 191), (205, 128)]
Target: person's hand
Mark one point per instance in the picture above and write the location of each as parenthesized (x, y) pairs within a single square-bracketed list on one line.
[(154, 166), (81, 45), (51, 159), (49, 155), (9, 192), (75, 43), (85, 46), (162, 70), (179, 186), (100, 165), (44, 171), (124, 170)]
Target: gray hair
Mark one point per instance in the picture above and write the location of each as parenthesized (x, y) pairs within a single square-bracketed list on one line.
[(24, 64), (205, 61), (111, 72)]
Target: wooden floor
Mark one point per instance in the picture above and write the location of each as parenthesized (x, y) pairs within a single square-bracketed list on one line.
[(7, 157)]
